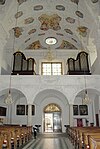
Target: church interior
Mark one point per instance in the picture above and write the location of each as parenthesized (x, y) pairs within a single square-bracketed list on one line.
[(49, 68)]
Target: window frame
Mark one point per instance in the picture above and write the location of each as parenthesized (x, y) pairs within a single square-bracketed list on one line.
[(51, 67)]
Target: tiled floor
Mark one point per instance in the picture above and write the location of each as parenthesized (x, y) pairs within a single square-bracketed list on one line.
[(50, 141)]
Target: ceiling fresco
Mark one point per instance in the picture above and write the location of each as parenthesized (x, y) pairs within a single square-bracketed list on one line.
[(69, 21), (50, 22)]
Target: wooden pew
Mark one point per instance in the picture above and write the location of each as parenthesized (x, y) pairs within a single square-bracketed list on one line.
[(14, 136), (94, 142)]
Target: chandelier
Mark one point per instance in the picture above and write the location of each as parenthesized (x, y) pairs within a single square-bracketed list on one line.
[(49, 55), (86, 100)]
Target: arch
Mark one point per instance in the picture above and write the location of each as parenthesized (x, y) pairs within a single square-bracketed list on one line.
[(42, 95)]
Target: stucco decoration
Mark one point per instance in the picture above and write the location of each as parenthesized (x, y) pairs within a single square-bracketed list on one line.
[(50, 22), (18, 31), (60, 7), (75, 1), (2, 2), (41, 34), (27, 40), (32, 31), (83, 31), (21, 1), (28, 20), (52, 108), (70, 20), (68, 31), (38, 7), (74, 40), (59, 34), (79, 14), (94, 1), (66, 45), (18, 14), (35, 45)]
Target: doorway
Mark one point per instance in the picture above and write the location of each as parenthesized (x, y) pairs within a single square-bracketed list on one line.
[(52, 118)]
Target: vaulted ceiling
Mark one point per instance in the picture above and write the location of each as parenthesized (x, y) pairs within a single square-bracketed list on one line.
[(31, 22)]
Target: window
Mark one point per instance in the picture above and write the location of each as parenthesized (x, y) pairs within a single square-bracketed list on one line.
[(51, 68)]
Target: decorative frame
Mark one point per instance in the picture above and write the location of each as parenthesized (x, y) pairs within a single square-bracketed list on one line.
[(20, 109), (83, 109), (75, 110)]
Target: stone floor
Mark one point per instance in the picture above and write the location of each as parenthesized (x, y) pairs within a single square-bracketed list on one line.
[(50, 141)]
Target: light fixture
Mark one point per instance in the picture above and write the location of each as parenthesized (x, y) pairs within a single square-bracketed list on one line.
[(9, 100), (51, 40), (86, 100), (49, 56)]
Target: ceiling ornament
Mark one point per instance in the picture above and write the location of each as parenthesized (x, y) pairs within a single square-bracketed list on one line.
[(75, 1), (18, 31), (21, 1), (28, 20), (83, 31), (68, 31), (51, 40), (70, 20), (41, 34), (49, 56), (79, 14), (59, 34), (18, 14), (66, 45), (32, 31), (2, 2), (27, 40), (38, 7), (60, 7), (74, 40), (94, 1), (35, 45), (50, 22)]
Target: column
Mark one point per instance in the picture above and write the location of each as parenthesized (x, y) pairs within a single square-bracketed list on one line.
[(29, 116), (71, 114)]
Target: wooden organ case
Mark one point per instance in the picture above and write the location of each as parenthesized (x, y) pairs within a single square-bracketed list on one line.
[(23, 66), (80, 66)]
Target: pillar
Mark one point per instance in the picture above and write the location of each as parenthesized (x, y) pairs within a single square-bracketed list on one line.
[(71, 114), (29, 116)]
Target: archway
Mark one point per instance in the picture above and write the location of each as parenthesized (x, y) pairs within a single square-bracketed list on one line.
[(52, 118)]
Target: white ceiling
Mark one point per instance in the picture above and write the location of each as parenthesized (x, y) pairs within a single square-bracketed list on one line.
[(39, 19)]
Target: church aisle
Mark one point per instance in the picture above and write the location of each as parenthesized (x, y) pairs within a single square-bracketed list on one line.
[(50, 141)]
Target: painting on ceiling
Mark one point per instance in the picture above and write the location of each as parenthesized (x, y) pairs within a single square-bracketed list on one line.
[(68, 31), (66, 45), (28, 20), (38, 7), (83, 31), (35, 45), (50, 22), (18, 14), (31, 31), (18, 31), (70, 20), (75, 1), (21, 1), (60, 7), (79, 14)]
